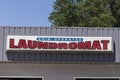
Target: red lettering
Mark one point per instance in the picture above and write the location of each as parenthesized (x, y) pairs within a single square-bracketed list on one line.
[(22, 43), (96, 45), (72, 45), (84, 45), (43, 45), (12, 44), (105, 44), (32, 44), (52, 45), (62, 46)]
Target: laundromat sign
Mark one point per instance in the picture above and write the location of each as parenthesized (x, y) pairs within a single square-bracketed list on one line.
[(59, 43)]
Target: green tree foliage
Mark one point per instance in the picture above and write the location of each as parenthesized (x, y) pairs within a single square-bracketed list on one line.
[(86, 13), (114, 6)]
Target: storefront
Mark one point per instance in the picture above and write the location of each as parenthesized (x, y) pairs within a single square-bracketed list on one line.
[(49, 53)]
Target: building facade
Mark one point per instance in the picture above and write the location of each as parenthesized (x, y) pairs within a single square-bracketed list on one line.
[(60, 64)]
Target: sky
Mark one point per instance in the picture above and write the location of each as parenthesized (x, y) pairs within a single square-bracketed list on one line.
[(25, 12)]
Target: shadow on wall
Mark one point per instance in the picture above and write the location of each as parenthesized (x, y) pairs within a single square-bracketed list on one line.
[(60, 56)]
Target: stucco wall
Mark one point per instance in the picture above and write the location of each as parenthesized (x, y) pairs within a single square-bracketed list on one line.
[(60, 71)]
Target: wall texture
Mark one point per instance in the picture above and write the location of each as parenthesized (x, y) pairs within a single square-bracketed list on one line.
[(60, 71), (60, 56)]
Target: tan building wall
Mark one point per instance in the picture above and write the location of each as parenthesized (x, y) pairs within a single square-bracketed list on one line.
[(60, 71)]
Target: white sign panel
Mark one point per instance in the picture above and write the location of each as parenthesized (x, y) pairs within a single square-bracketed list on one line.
[(59, 43)]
